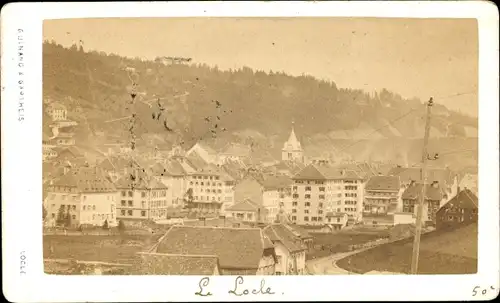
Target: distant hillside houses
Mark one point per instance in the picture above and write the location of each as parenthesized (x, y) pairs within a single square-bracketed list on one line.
[(173, 60)]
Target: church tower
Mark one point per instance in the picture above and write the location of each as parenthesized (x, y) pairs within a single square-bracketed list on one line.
[(292, 150)]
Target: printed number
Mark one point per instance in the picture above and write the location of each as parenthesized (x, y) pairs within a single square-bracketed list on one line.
[(483, 291), (22, 265)]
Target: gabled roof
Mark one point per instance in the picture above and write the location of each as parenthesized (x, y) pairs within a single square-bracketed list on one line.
[(390, 183), (246, 205), (464, 199), (196, 160), (280, 233), (237, 248), (310, 172), (167, 264), (326, 172), (86, 180), (414, 190)]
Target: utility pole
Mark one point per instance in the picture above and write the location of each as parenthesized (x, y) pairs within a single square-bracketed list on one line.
[(421, 200)]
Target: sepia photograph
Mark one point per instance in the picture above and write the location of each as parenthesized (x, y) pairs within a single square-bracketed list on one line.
[(260, 146), (250, 151)]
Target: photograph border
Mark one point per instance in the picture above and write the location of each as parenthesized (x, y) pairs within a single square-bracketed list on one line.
[(23, 276)]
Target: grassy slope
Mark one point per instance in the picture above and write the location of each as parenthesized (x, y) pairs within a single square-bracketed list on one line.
[(452, 252)]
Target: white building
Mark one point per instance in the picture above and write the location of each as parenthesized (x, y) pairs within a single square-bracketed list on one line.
[(85, 195), (320, 189)]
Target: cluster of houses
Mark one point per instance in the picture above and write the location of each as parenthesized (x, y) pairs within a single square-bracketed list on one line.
[(204, 183), (62, 130)]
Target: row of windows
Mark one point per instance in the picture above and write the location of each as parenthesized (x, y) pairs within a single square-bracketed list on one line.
[(350, 187), (352, 195), (154, 193), (306, 218), (309, 182), (130, 212), (206, 177), (307, 204), (306, 211), (205, 184), (308, 196)]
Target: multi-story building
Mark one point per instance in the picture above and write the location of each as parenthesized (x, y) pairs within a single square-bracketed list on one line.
[(142, 200), (460, 210), (447, 179), (435, 198), (292, 149), (382, 195), (271, 192), (211, 190), (57, 112), (322, 188), (48, 146), (84, 194)]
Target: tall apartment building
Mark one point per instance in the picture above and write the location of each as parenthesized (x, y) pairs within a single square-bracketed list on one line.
[(320, 189), (142, 200), (382, 195), (84, 194)]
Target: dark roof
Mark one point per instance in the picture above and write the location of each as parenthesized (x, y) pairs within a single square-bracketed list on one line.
[(275, 182), (85, 180), (280, 233), (299, 231), (383, 183), (165, 264), (442, 175), (464, 199), (238, 248), (414, 190), (310, 172)]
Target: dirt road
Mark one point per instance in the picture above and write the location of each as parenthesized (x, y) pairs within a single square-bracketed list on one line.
[(328, 265)]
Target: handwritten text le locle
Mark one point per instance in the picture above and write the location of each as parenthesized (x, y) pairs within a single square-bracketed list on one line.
[(237, 290)]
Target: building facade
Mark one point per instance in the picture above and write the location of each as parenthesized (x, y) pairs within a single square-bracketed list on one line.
[(318, 189), (460, 210), (83, 194)]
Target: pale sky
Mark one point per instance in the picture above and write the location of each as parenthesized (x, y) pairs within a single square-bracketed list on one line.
[(413, 57)]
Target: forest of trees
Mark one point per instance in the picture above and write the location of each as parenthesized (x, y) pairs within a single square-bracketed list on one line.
[(202, 101)]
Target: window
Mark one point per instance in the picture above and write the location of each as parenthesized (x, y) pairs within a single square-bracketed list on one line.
[(295, 188), (306, 219), (322, 189), (307, 204), (73, 217), (129, 212), (307, 196), (308, 188), (123, 203), (295, 195), (201, 183), (306, 211), (294, 203), (73, 207), (320, 211), (93, 207), (320, 205), (130, 194), (143, 213), (143, 194), (294, 210), (322, 197), (294, 218), (130, 203)]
